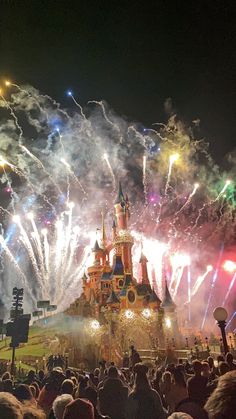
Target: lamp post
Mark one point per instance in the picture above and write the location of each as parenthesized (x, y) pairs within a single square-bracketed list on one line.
[(220, 315)]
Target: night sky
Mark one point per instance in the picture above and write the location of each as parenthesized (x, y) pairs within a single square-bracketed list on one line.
[(132, 54)]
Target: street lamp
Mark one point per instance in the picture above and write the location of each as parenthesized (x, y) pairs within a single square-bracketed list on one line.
[(220, 315)]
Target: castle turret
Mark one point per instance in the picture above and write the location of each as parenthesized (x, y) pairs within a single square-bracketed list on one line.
[(143, 261), (114, 230), (84, 279), (168, 304), (123, 241), (120, 210), (98, 253), (94, 271), (118, 273), (104, 237)]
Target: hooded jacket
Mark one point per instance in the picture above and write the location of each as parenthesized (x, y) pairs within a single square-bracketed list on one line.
[(113, 398)]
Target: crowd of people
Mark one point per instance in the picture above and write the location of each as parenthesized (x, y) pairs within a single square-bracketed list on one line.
[(186, 390)]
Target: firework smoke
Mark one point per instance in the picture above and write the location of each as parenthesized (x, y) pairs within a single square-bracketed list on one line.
[(51, 156)]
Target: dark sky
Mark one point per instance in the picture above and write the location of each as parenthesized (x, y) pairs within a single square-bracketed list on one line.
[(133, 54)]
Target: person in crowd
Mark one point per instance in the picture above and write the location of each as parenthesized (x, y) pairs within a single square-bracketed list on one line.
[(32, 412), (144, 402), (178, 390), (197, 384), (206, 370), (31, 377), (6, 376), (93, 380), (33, 391), (92, 395), (8, 385), (222, 369), (10, 407), (156, 381), (188, 367), (50, 390), (96, 376), (191, 408), (180, 415), (213, 369), (220, 358), (134, 356), (79, 409), (67, 387), (41, 376), (102, 368), (37, 389), (125, 361), (230, 361), (113, 396), (222, 402), (75, 381), (24, 394), (165, 386), (60, 404), (83, 384), (68, 374)]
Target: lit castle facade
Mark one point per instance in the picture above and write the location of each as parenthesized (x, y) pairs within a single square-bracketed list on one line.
[(112, 288)]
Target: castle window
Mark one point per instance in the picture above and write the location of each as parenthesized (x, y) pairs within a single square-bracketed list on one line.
[(121, 283), (131, 296)]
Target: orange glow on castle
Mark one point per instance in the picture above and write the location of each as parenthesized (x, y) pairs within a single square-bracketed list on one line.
[(112, 286)]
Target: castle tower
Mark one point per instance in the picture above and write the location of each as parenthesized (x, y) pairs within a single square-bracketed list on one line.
[(98, 254), (105, 256), (143, 261), (114, 230), (168, 304), (94, 271), (123, 240), (118, 273), (120, 210), (104, 237)]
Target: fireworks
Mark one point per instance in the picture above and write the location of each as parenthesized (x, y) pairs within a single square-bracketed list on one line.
[(172, 159), (59, 169), (229, 266)]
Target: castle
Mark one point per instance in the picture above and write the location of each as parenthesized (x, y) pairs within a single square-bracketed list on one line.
[(112, 286)]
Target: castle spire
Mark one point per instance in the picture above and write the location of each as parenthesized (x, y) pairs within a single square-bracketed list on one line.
[(120, 195), (168, 303), (104, 237), (114, 229), (143, 261), (96, 247)]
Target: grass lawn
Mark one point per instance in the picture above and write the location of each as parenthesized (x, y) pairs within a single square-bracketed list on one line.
[(36, 346)]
